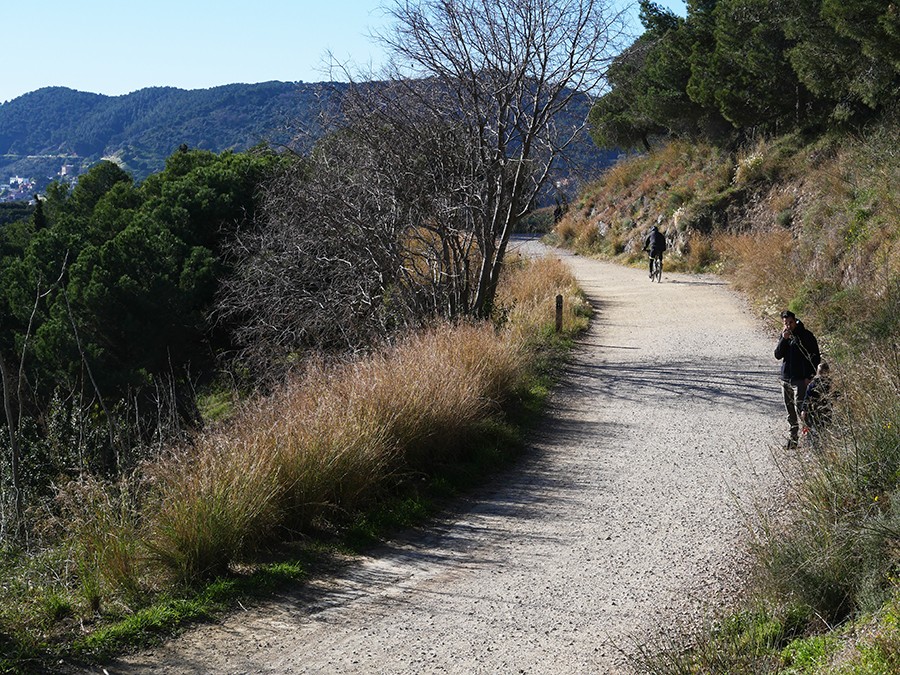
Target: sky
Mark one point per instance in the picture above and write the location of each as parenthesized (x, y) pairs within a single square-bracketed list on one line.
[(114, 47)]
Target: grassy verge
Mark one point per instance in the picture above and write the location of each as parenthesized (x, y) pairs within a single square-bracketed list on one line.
[(342, 455)]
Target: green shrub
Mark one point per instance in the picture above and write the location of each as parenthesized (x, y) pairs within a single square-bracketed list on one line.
[(808, 655)]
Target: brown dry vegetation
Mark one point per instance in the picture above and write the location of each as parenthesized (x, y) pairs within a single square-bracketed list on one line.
[(339, 435), (337, 439)]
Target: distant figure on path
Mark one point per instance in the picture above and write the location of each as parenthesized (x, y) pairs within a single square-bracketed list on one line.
[(798, 351), (655, 244)]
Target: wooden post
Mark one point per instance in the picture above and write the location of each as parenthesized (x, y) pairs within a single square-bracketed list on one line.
[(559, 307)]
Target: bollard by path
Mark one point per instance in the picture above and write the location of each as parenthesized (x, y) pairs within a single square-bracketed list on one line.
[(559, 307)]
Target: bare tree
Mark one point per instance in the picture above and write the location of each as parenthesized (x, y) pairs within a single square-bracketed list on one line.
[(502, 72), (405, 209), (365, 236), (311, 273)]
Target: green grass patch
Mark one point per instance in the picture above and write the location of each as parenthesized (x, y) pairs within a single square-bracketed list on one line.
[(808, 655), (216, 405), (368, 529), (167, 616), (745, 641)]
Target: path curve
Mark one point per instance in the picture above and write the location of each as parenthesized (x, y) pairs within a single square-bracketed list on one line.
[(624, 516)]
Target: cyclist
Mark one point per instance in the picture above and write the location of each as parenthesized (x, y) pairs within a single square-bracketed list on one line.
[(655, 244)]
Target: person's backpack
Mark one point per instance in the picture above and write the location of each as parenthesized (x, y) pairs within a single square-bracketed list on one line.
[(817, 402)]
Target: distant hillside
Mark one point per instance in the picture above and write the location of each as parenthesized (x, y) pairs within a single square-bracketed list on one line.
[(43, 130)]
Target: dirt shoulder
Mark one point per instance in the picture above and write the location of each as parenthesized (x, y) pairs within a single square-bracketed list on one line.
[(625, 516)]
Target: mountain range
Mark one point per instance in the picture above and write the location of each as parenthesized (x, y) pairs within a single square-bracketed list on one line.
[(44, 130)]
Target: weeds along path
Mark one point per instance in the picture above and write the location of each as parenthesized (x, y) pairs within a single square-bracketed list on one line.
[(624, 517)]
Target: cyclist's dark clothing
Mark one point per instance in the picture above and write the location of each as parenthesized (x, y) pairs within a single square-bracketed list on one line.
[(655, 242)]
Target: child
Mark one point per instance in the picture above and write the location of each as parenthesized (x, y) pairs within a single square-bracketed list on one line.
[(816, 410)]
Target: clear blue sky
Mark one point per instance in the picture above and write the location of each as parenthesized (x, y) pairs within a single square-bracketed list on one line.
[(118, 46)]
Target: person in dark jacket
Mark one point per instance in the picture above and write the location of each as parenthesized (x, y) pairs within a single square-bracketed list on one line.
[(654, 244), (798, 351)]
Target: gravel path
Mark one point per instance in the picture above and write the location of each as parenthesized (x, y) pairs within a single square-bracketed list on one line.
[(624, 517)]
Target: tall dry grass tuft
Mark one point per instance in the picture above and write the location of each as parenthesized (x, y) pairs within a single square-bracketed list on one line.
[(566, 229), (428, 390), (764, 265), (324, 456), (622, 175), (329, 443), (528, 296), (212, 506), (700, 252)]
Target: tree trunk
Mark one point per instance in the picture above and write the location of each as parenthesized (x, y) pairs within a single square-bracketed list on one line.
[(15, 454)]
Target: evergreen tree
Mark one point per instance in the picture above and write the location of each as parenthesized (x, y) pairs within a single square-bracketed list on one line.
[(753, 84), (845, 53)]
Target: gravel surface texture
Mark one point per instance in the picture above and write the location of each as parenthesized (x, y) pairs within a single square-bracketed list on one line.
[(626, 516)]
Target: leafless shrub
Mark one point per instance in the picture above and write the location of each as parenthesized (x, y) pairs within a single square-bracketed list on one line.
[(310, 275)]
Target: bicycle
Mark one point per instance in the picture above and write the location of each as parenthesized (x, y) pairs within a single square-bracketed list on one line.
[(656, 268)]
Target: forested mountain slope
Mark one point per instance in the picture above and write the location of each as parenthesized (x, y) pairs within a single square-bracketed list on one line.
[(48, 127), (42, 130)]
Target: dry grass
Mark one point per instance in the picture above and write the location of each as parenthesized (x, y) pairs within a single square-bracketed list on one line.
[(622, 176), (333, 440), (528, 293), (763, 265), (328, 443), (566, 229), (213, 505)]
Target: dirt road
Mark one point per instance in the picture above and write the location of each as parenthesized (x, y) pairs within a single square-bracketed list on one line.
[(624, 517)]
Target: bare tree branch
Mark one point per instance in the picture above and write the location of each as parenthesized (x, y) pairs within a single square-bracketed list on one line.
[(509, 67), (406, 209)]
